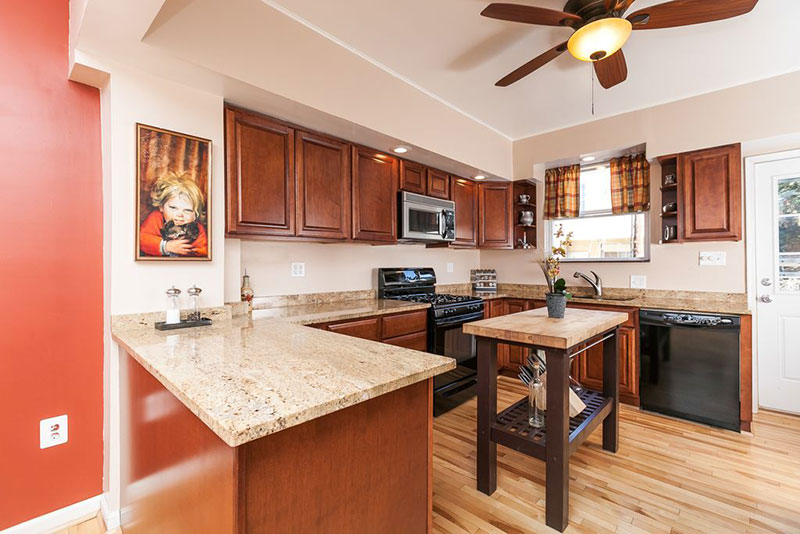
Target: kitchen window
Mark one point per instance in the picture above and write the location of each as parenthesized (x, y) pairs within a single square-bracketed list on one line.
[(598, 234)]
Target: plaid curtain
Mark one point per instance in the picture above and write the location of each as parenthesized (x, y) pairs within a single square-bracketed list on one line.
[(630, 184), (562, 191)]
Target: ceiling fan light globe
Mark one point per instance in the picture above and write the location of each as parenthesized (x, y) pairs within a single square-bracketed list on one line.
[(599, 39)]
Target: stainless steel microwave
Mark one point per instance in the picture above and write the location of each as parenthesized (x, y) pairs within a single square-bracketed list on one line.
[(426, 219)]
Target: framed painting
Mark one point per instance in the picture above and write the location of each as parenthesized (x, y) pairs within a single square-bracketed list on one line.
[(173, 196)]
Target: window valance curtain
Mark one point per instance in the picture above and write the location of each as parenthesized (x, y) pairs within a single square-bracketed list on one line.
[(562, 188), (630, 184)]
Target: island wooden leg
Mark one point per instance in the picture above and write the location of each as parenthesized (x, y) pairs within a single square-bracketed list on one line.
[(611, 389), (487, 414), (557, 450)]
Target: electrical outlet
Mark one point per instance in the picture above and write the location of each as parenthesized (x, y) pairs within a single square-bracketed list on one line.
[(298, 270), (450, 267), (52, 431), (713, 258), (638, 281)]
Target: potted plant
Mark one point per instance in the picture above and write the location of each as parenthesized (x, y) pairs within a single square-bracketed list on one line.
[(551, 267)]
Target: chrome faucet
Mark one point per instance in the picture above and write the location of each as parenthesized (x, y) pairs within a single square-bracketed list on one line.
[(597, 284)]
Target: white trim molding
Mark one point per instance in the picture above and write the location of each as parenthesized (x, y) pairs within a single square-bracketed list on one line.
[(750, 163), (111, 517), (58, 519)]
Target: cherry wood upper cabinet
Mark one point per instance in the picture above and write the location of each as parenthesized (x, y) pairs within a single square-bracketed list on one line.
[(465, 195), (711, 193), (260, 175), (375, 184), (323, 186), (496, 227), (413, 177), (438, 184)]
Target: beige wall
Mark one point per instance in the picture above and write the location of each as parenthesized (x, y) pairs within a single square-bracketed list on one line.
[(340, 267), (753, 114)]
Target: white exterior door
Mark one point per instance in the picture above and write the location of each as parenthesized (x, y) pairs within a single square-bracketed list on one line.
[(777, 289)]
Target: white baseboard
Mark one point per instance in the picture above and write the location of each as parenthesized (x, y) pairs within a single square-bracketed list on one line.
[(58, 519), (111, 517)]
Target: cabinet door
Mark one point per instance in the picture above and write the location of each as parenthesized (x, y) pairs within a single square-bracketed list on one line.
[(413, 177), (369, 328), (465, 195), (495, 229), (260, 184), (438, 184), (323, 186), (711, 193), (416, 341), (590, 366), (494, 308), (515, 355), (375, 183)]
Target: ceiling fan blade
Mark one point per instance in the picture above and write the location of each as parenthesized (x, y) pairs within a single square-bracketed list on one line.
[(532, 65), (686, 12), (612, 70), (530, 15)]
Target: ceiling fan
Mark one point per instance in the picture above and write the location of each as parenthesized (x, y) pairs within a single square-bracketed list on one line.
[(600, 29)]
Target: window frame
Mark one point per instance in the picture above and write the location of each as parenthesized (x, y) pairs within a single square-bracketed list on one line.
[(601, 213)]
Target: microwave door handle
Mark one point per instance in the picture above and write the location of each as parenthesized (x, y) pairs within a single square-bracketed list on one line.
[(443, 223)]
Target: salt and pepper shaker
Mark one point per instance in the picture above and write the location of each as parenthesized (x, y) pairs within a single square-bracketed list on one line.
[(194, 292), (173, 309)]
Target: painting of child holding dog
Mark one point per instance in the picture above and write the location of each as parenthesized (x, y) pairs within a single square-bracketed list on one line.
[(172, 204)]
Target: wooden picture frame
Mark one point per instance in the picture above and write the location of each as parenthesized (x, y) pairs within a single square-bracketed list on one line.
[(173, 196)]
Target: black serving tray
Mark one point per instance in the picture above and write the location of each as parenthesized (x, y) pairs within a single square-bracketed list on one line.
[(203, 321)]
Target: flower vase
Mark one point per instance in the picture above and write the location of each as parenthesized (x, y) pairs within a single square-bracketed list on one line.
[(556, 305)]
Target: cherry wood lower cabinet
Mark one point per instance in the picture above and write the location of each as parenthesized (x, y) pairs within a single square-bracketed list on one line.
[(404, 329), (343, 472)]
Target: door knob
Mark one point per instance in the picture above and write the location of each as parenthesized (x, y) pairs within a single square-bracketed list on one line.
[(766, 299), (766, 282)]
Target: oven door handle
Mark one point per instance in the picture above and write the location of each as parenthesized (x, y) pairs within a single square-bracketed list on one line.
[(459, 320)]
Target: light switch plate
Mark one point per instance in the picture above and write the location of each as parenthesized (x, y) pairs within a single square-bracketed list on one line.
[(450, 267), (638, 281), (52, 431), (298, 270), (713, 258)]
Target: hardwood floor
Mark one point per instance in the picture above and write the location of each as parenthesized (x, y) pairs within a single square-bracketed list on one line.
[(94, 525), (669, 477)]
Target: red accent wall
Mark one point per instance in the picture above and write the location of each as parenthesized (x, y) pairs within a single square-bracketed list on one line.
[(51, 271)]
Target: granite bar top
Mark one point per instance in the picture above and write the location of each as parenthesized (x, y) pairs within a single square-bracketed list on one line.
[(691, 301), (247, 378), (534, 327), (325, 312)]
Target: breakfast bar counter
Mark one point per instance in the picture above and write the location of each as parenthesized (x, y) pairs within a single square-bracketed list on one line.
[(561, 340), (264, 425)]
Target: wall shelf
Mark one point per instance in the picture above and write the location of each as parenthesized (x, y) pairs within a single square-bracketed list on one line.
[(525, 233)]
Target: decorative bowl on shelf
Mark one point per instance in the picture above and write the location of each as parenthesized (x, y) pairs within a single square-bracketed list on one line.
[(526, 218), (669, 206)]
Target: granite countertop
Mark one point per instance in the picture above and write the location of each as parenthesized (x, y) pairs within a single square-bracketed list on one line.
[(325, 312), (534, 327), (248, 377), (690, 301)]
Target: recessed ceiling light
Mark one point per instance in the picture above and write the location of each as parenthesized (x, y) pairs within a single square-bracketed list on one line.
[(587, 159), (480, 177), (400, 149)]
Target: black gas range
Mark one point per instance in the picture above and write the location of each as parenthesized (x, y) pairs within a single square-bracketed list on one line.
[(445, 317)]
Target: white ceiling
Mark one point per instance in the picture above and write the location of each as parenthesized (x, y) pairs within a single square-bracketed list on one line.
[(447, 49)]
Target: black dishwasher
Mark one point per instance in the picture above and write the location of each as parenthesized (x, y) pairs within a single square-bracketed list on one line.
[(690, 366)]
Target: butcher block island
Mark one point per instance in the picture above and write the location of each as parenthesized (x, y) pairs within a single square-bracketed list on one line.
[(264, 425), (561, 340)]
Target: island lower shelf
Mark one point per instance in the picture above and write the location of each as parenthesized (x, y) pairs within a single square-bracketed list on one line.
[(512, 430)]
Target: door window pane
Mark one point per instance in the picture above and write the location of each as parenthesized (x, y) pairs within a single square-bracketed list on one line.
[(789, 235), (789, 196)]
